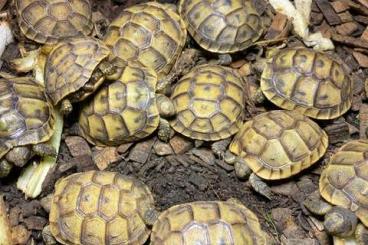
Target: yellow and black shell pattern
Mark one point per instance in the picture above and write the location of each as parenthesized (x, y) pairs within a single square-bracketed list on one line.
[(122, 111), (308, 81), (49, 21), (222, 26), (26, 114), (100, 208), (70, 66), (149, 33), (209, 101)]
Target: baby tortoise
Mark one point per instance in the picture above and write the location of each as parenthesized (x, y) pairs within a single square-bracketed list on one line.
[(344, 183), (210, 102), (222, 26), (208, 222), (26, 122), (127, 109), (99, 207), (151, 34), (76, 68), (308, 81), (276, 145), (49, 21)]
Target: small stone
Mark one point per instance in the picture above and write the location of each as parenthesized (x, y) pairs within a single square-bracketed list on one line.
[(20, 234), (285, 223), (77, 146), (285, 189), (46, 203), (35, 223), (30, 208), (104, 157), (14, 215), (245, 70), (205, 155), (180, 144), (141, 151), (124, 148), (362, 59), (304, 241), (162, 149), (306, 185)]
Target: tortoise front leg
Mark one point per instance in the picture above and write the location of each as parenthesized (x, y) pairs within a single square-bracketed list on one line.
[(5, 168), (19, 156)]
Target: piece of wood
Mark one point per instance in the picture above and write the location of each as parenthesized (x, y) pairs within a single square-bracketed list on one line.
[(329, 13), (278, 24), (361, 19), (350, 41), (361, 58), (325, 29), (363, 118), (316, 18), (363, 2), (365, 35), (347, 29), (340, 6), (346, 17), (357, 7)]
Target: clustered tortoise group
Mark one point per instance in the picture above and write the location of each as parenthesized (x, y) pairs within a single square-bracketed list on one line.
[(125, 90)]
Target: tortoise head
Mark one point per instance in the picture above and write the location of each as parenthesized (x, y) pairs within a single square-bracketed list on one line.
[(340, 221)]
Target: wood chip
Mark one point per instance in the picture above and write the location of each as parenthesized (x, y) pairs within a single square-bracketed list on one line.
[(363, 2), (5, 235), (351, 41), (365, 35), (325, 29), (361, 58), (180, 144), (277, 26), (363, 118), (347, 29), (142, 151), (357, 7), (329, 13), (361, 19), (104, 157), (77, 146), (346, 17), (340, 6)]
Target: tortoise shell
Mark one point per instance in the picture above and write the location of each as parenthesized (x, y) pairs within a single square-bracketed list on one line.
[(279, 144), (344, 182), (122, 111), (210, 222), (209, 101), (99, 207), (49, 21), (149, 33), (70, 66), (308, 81), (222, 26), (26, 114)]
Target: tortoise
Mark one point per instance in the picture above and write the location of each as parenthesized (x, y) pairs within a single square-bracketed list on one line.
[(222, 26), (49, 21), (276, 145), (344, 183), (100, 207), (208, 222), (149, 33), (308, 81), (210, 102), (26, 122), (127, 109), (75, 68)]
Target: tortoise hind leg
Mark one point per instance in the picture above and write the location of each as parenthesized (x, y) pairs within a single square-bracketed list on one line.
[(5, 168), (219, 147), (44, 149), (19, 156), (259, 186)]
